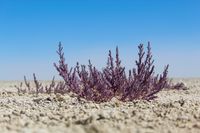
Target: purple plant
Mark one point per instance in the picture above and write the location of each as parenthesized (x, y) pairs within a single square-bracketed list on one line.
[(40, 88), (68, 74), (114, 74), (87, 82), (92, 84), (99, 86), (141, 82)]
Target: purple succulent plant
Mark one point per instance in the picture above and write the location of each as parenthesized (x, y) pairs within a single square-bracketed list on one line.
[(92, 84), (141, 83)]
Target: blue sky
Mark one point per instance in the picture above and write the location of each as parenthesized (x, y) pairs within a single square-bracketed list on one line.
[(31, 29)]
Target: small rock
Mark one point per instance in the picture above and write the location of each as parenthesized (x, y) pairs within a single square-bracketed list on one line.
[(37, 100), (59, 97), (85, 121), (196, 126), (49, 99)]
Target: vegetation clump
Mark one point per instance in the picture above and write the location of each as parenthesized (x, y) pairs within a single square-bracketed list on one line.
[(100, 86), (87, 82)]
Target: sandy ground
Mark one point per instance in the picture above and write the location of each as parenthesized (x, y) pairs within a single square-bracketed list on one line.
[(172, 112)]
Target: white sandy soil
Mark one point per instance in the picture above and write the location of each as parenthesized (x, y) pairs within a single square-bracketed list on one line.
[(172, 112)]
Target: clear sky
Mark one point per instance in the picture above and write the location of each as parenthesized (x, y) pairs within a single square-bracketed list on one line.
[(31, 29)]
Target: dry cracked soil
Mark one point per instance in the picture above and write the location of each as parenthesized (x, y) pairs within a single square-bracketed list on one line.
[(174, 111)]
